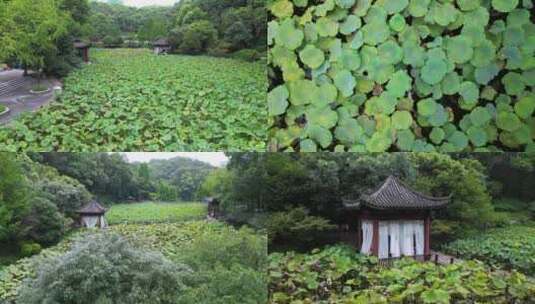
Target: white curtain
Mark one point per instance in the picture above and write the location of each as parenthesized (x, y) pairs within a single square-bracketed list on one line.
[(393, 231), (367, 235), (419, 233), (383, 239), (103, 223), (407, 229), (90, 221)]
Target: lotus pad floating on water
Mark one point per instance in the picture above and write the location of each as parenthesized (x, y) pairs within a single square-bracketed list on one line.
[(404, 75)]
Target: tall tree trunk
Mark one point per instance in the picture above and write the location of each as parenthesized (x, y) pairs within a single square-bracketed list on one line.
[(25, 70)]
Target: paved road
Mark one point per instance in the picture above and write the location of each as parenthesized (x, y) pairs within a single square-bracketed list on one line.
[(17, 107)]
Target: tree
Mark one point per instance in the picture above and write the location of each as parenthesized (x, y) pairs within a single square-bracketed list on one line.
[(30, 41)]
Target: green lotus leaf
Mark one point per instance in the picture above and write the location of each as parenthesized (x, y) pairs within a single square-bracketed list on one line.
[(357, 40), (477, 136), (348, 131), (480, 116), (289, 36), (379, 142), (312, 56), (427, 107), (321, 116), (469, 91), (320, 135), (311, 32), (413, 54), (380, 71), (351, 24), (468, 5), (508, 121), (488, 93), (345, 82), (405, 140), (484, 54), (484, 75), (419, 8), (278, 100), (529, 77), (375, 32), (523, 135), (459, 49), (345, 3), (322, 9), (386, 103), (439, 118), (434, 70), (393, 7), (390, 52), (514, 36), (300, 3), (362, 7), (401, 120), (422, 146), (451, 83), (504, 6), (513, 83), (326, 27), (518, 17), (525, 107), (350, 59), (444, 13), (327, 94), (437, 135), (376, 13), (282, 9), (399, 84), (273, 27), (302, 91), (292, 72), (397, 23), (459, 140), (308, 145)]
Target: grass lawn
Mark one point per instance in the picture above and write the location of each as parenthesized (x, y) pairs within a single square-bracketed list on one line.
[(152, 212)]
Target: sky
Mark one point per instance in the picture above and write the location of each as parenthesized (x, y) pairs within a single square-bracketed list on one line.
[(218, 159)]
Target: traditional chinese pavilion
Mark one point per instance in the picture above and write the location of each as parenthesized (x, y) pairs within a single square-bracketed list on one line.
[(92, 216), (395, 220), (83, 49)]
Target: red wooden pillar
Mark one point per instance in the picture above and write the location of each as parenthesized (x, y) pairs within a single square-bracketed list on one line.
[(86, 55), (427, 236), (375, 238)]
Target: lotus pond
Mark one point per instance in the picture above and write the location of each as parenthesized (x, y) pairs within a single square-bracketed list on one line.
[(339, 275), (404, 75), (151, 212), (133, 100)]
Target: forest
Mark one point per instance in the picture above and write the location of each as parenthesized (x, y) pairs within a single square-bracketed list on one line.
[(158, 245)]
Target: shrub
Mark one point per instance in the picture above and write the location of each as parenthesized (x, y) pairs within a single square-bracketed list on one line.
[(229, 267), (376, 76), (246, 55), (112, 41), (295, 224), (42, 223), (28, 249), (104, 268)]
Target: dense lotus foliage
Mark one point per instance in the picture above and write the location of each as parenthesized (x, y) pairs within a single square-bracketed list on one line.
[(339, 275), (404, 75), (132, 100), (509, 248)]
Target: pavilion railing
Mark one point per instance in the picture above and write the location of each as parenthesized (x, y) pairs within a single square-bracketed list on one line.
[(434, 258)]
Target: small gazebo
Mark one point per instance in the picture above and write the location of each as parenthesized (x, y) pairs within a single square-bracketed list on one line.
[(395, 220), (92, 215), (161, 46), (83, 49), (213, 206)]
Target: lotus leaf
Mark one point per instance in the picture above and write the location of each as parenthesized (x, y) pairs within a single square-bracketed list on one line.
[(312, 56), (308, 145), (415, 75), (278, 100), (282, 8), (504, 6), (321, 116), (320, 135)]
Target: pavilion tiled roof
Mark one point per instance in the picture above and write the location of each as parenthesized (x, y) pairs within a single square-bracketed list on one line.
[(161, 42), (92, 208), (394, 194)]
